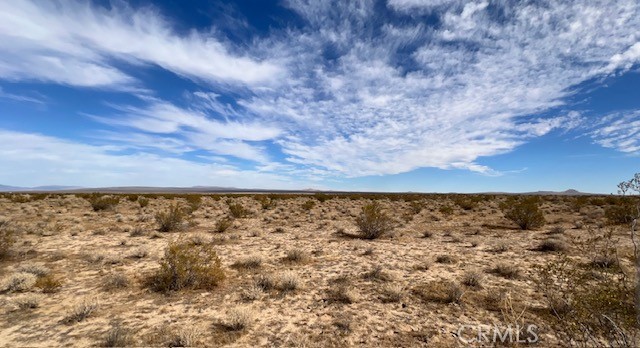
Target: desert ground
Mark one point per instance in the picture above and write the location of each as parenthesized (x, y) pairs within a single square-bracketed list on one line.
[(298, 271)]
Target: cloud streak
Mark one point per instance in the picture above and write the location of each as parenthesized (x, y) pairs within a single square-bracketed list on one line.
[(356, 90)]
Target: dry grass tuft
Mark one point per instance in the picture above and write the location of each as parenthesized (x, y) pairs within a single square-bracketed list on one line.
[(249, 262)]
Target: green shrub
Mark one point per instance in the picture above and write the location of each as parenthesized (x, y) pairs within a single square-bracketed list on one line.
[(99, 202), (525, 214), (187, 266), (237, 210), (223, 224), (373, 222), (308, 205), (6, 240), (623, 212), (594, 306), (446, 210), (143, 201), (171, 219)]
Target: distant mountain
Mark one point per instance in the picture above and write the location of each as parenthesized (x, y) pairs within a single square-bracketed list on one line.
[(220, 189), (5, 188)]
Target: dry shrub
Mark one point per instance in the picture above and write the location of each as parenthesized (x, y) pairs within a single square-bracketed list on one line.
[(377, 273), (81, 311), (552, 245), (238, 211), (170, 219), (116, 281), (445, 259), (239, 319), (186, 337), (35, 269), (593, 306), (373, 222), (443, 292), (117, 336), (288, 282), (143, 201), (99, 202), (392, 293), (6, 240), (472, 279), (623, 212), (49, 284), (250, 262), (525, 213), (308, 205), (295, 256), (187, 266), (341, 293), (223, 224), (18, 282), (506, 271), (27, 301), (266, 282)]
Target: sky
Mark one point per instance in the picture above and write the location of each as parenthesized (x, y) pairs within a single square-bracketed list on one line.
[(384, 95)]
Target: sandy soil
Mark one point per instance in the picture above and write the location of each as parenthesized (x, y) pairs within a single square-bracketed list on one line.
[(393, 307)]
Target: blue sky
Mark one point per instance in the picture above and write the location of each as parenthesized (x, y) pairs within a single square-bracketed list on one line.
[(388, 95)]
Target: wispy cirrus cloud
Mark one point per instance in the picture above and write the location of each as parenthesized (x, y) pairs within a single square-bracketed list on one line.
[(619, 131), (80, 44), (441, 96), (357, 89), (187, 129), (41, 159)]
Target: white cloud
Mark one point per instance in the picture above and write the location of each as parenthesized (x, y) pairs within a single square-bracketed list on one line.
[(437, 97), (76, 43), (409, 5), (350, 92), (37, 159), (619, 131), (195, 129)]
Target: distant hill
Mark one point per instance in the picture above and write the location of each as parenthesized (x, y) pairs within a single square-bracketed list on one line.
[(220, 189), (5, 188)]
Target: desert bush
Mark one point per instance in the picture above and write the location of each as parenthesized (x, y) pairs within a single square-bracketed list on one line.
[(223, 224), (472, 279), (117, 336), (444, 292), (18, 282), (591, 309), (143, 201), (552, 245), (116, 281), (81, 311), (28, 301), (373, 222), (377, 273), (250, 262), (239, 319), (446, 210), (427, 234), (99, 202), (308, 205), (49, 284), (35, 269), (340, 293), (445, 259), (525, 214), (288, 282), (194, 202), (506, 271), (170, 219), (621, 213), (238, 211), (265, 202), (295, 256), (266, 282), (187, 266), (6, 240), (392, 293)]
